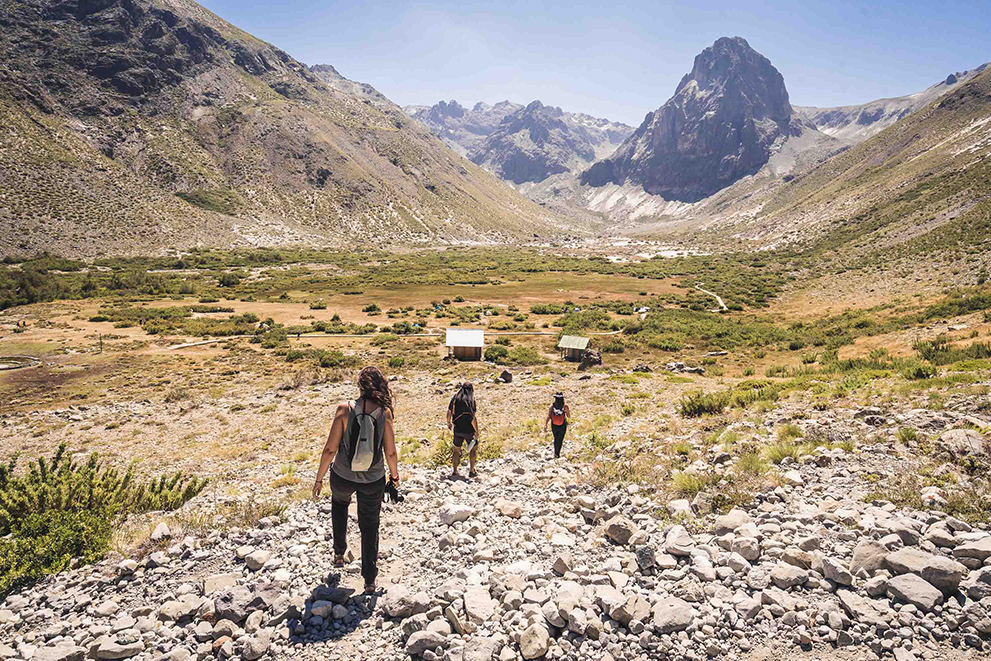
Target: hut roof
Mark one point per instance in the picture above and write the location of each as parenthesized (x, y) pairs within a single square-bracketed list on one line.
[(465, 337), (573, 342)]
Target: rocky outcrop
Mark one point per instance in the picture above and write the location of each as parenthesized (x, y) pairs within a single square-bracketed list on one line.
[(719, 126)]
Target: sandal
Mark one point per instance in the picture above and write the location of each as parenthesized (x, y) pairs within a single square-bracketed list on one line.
[(472, 474), (338, 560)]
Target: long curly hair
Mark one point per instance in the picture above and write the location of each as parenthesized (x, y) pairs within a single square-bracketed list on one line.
[(375, 386)]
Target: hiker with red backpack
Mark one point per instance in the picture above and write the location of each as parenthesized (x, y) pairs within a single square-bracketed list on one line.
[(361, 443), (463, 423), (557, 416)]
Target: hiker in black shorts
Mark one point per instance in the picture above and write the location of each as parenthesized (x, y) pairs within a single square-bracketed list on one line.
[(462, 421), (557, 417)]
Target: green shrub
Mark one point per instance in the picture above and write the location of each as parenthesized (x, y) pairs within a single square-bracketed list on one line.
[(59, 510), (337, 359), (294, 354), (525, 356), (614, 347), (496, 353), (907, 434), (228, 280), (751, 464), (547, 308), (697, 404), (941, 352), (396, 362), (627, 409), (371, 308), (919, 371)]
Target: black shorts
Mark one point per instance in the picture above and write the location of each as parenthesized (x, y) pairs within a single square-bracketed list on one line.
[(460, 438)]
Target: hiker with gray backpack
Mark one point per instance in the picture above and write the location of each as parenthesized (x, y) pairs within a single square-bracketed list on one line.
[(361, 443)]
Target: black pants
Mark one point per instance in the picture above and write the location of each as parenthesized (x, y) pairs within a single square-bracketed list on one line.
[(369, 509), (558, 431)]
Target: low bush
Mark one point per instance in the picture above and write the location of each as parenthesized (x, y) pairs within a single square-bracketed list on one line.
[(59, 509), (697, 404)]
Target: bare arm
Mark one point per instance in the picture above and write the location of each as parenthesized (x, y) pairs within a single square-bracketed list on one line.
[(389, 447), (567, 413), (332, 445), (547, 420), (450, 417)]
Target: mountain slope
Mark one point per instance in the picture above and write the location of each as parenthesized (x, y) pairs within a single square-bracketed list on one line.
[(854, 124), (136, 125), (719, 126), (928, 175)]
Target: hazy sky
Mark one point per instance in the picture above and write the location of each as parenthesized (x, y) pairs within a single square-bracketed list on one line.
[(620, 59)]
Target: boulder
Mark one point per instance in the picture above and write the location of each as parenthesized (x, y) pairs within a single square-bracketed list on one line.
[(730, 521), (910, 589), (218, 582), (963, 443), (672, 614), (620, 529), (534, 641), (60, 652), (479, 606), (161, 532), (398, 602), (834, 570), (859, 608), (979, 550), (787, 576), (509, 508), (868, 556), (111, 649), (452, 513), (482, 648), (257, 559), (678, 542), (941, 572), (421, 641)]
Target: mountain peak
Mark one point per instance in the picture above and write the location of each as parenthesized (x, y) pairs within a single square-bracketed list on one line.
[(717, 128)]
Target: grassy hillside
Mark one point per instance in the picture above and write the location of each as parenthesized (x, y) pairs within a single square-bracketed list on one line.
[(133, 127)]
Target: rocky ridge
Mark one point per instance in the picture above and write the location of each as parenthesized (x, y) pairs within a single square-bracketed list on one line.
[(528, 563)]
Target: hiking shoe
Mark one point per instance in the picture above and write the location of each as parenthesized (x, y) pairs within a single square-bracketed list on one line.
[(338, 560), (370, 588), (473, 474)]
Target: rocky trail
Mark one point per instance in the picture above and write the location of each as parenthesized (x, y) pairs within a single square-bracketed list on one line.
[(528, 562)]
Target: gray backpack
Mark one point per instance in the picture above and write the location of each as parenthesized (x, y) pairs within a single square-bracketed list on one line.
[(364, 435)]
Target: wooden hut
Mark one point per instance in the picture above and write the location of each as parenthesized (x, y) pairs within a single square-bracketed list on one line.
[(572, 347), (465, 343)]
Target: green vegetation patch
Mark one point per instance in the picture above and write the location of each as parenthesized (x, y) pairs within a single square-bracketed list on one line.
[(60, 509)]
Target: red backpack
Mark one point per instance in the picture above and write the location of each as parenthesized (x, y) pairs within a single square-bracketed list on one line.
[(557, 417)]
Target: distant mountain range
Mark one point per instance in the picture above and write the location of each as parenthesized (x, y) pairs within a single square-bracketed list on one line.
[(730, 118), (522, 144), (139, 126)]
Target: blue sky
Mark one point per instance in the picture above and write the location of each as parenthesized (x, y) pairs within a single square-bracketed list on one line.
[(620, 60)]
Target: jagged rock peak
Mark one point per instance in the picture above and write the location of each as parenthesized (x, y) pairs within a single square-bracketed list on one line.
[(447, 109), (731, 66), (717, 128)]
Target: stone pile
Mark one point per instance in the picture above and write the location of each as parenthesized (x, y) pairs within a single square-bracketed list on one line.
[(527, 563)]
